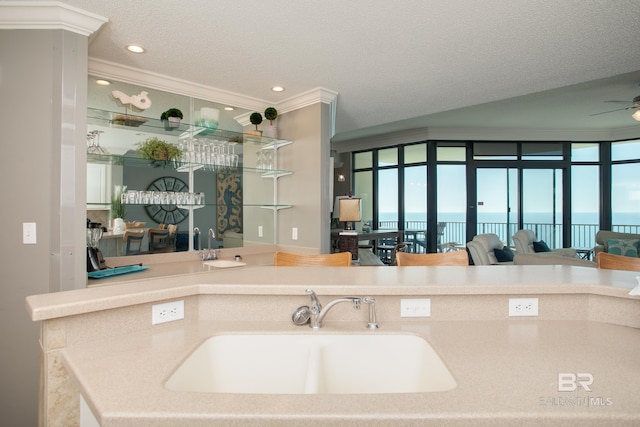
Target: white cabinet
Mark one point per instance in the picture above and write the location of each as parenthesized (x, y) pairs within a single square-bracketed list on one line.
[(98, 184)]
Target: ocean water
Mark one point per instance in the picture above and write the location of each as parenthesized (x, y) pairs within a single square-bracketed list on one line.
[(541, 218)]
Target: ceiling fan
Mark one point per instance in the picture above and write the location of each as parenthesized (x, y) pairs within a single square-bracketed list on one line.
[(634, 104)]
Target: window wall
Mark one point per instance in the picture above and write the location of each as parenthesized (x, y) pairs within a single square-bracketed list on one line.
[(625, 186), (585, 193), (442, 193)]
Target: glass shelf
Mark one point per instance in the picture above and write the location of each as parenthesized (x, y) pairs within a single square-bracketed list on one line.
[(257, 179), (136, 161), (183, 206), (126, 120)]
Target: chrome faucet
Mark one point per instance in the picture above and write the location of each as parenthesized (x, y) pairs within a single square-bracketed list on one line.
[(209, 254), (315, 314), (196, 232), (373, 318)]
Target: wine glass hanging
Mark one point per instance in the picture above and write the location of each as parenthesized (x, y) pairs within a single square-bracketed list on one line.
[(210, 154)]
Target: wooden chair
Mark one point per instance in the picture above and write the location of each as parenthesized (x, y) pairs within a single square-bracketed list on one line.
[(340, 259), (133, 242), (617, 262), (158, 240), (404, 259)]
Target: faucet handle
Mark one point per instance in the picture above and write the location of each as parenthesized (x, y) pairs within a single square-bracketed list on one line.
[(373, 318), (301, 316), (316, 307)]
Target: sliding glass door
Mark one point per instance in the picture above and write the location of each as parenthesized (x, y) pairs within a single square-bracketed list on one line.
[(497, 202), (502, 193), (542, 204)]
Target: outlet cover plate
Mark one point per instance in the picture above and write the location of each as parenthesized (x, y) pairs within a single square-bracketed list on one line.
[(523, 307), (415, 307), (167, 312)]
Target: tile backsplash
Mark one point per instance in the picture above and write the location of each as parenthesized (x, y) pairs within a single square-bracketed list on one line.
[(99, 215)]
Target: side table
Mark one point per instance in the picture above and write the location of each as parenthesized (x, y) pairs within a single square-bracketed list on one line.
[(585, 253)]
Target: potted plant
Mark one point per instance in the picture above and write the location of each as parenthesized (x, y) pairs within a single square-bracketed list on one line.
[(171, 118), (117, 209), (255, 119), (270, 113), (156, 149)]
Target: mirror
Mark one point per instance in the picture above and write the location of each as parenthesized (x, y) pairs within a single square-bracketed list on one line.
[(234, 197)]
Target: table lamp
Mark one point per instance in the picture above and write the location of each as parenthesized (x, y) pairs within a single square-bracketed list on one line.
[(349, 211)]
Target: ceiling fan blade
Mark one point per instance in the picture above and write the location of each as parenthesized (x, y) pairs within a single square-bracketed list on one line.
[(607, 112)]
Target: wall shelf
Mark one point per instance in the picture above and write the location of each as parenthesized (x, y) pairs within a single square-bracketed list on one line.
[(201, 143)]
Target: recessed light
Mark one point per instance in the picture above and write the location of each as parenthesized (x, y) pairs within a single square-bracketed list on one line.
[(135, 48), (277, 89), (228, 108), (103, 82)]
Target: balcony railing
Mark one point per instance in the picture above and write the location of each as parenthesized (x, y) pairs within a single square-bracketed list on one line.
[(583, 236)]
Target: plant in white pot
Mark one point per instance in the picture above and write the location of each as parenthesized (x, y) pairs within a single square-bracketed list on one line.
[(255, 119), (270, 113), (171, 118), (117, 209)]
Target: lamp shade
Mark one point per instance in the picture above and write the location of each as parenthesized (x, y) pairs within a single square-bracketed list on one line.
[(636, 115), (349, 209)]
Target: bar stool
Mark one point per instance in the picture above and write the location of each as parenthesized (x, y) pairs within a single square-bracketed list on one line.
[(158, 240), (133, 242)]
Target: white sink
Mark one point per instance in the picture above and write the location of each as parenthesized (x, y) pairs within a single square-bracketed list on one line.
[(223, 263), (312, 364)]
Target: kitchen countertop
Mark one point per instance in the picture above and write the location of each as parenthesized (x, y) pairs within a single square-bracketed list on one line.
[(171, 280), (506, 374), (506, 368)]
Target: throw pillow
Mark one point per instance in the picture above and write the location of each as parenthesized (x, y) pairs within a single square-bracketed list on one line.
[(541, 246), (504, 255), (625, 247)]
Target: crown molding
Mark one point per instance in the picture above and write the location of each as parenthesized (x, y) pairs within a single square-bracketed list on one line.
[(122, 73), (48, 15), (310, 97)]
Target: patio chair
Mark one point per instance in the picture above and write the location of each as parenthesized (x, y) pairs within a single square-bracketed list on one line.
[(440, 232)]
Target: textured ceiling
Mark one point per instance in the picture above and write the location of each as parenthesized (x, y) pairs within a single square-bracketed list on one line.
[(395, 64)]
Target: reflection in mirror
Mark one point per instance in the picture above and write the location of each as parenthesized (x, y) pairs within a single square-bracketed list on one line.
[(217, 166)]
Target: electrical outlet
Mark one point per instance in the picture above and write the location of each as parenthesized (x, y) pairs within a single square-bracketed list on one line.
[(167, 312), (415, 307), (294, 233), (523, 306), (260, 232)]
